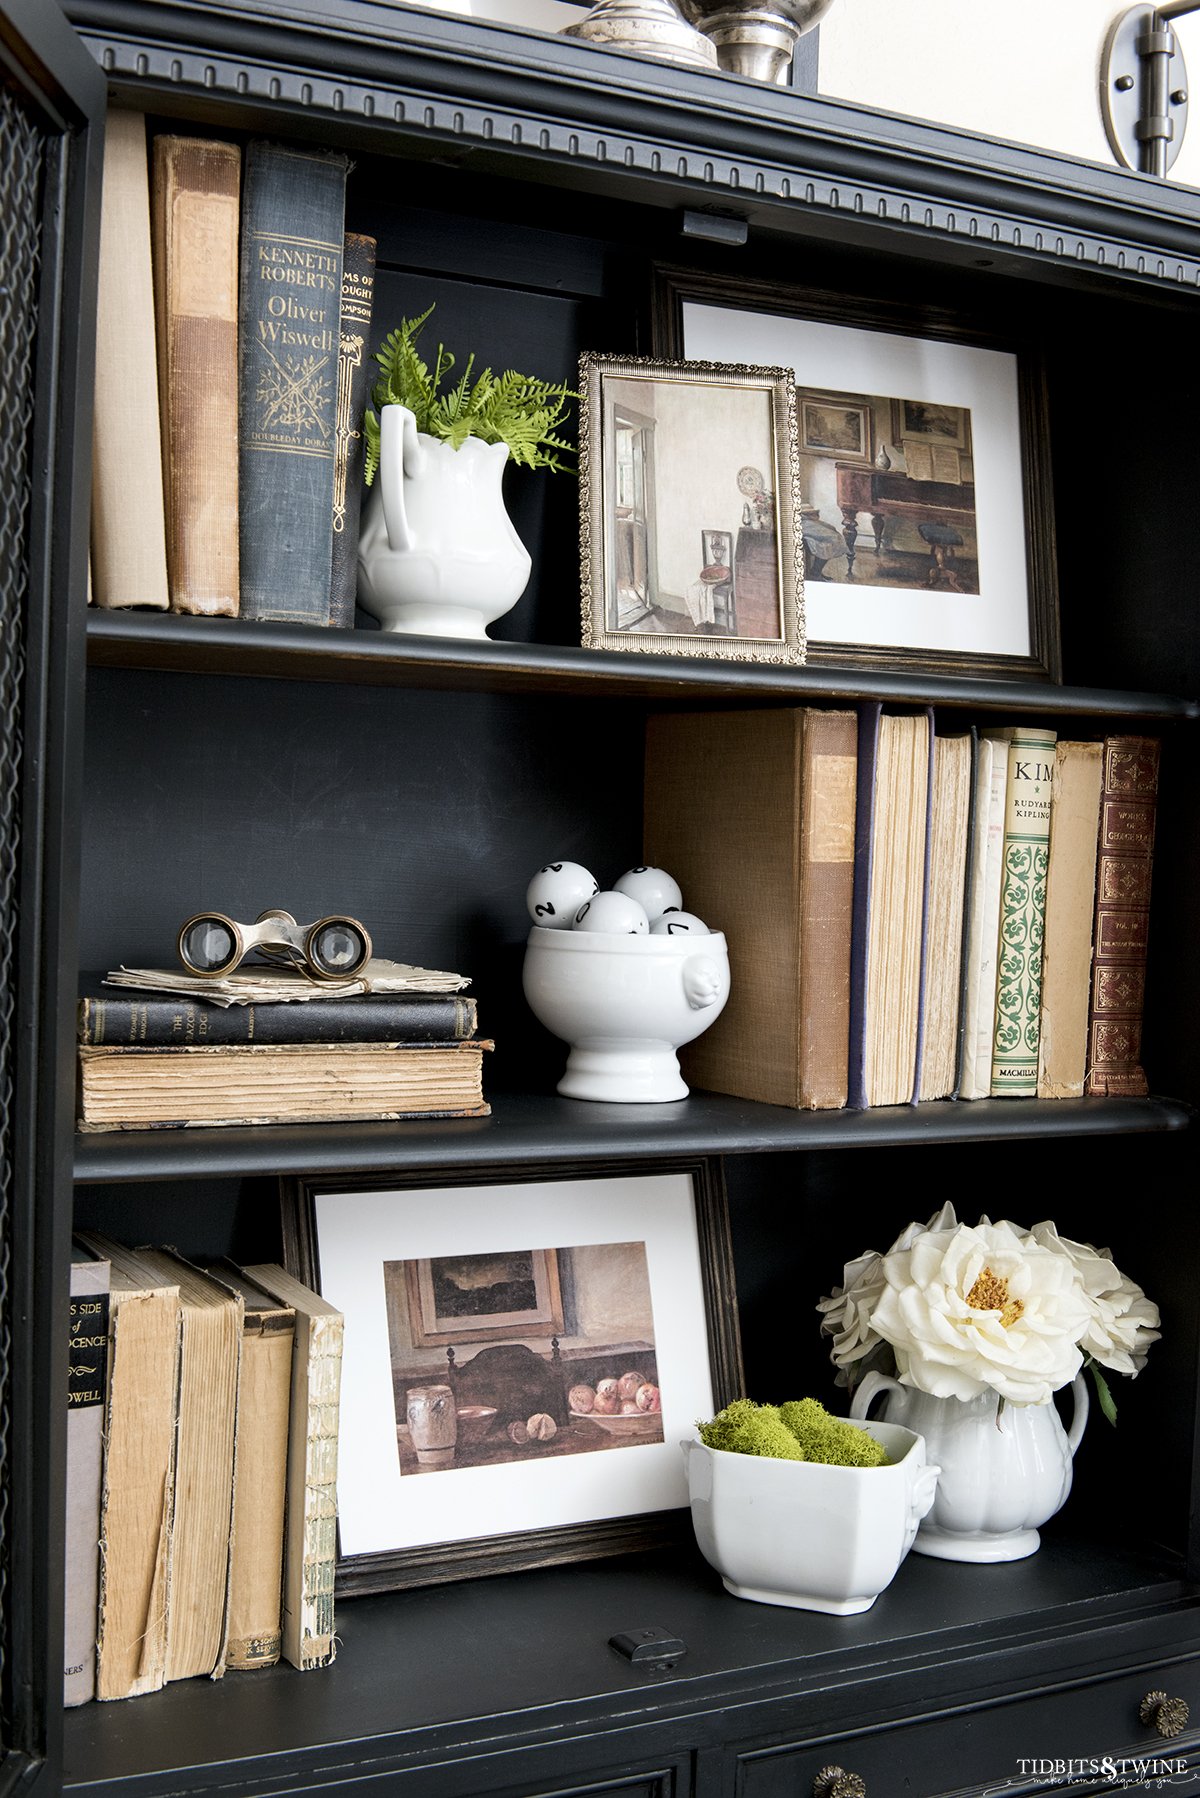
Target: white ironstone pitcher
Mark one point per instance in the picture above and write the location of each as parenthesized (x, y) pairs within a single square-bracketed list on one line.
[(437, 553)]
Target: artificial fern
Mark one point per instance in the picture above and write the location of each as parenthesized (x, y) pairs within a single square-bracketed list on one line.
[(518, 410)]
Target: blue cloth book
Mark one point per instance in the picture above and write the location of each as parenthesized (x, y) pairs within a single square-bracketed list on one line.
[(293, 229)]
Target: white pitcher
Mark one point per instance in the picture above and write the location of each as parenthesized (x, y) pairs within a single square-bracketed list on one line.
[(437, 553), (1001, 1475)]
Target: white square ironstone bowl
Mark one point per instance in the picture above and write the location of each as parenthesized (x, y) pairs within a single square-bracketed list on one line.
[(804, 1534)]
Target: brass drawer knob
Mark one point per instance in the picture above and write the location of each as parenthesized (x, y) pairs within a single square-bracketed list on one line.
[(835, 1782), (1167, 1715)]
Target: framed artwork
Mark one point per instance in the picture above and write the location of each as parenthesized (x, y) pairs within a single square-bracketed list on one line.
[(678, 460), (522, 1358), (925, 509)]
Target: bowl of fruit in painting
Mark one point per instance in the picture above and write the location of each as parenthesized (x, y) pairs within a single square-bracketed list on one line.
[(624, 976), (627, 1404)]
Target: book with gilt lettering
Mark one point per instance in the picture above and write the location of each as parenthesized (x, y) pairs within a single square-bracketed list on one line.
[(293, 232), (354, 381), (1022, 913), (1124, 864), (753, 814)]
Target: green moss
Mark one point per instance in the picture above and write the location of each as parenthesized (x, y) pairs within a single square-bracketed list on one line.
[(744, 1428), (830, 1439), (801, 1430)]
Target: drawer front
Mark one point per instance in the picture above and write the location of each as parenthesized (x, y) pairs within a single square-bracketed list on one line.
[(1060, 1741)]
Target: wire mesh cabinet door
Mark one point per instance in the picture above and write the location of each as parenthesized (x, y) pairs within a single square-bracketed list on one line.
[(52, 98)]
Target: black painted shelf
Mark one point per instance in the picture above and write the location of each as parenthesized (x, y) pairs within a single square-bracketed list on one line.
[(547, 1672), (534, 1129), (233, 646)]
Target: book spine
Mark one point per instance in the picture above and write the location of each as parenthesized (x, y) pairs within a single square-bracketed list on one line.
[(869, 721), (87, 1382), (358, 288), (925, 908), (1126, 849), (830, 765), (970, 877), (980, 1019), (1022, 914), (308, 1622), (153, 1022), (196, 211), (291, 285), (260, 1482), (1070, 910), (128, 562)]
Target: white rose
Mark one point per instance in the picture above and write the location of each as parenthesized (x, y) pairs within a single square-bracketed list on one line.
[(1122, 1321), (846, 1313), (968, 1310)]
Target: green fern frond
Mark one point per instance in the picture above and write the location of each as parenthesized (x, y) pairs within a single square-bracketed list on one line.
[(517, 410)]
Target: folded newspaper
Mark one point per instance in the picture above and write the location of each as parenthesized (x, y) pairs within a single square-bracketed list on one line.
[(260, 985)]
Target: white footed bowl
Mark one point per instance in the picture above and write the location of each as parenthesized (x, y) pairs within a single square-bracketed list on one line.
[(625, 1004), (802, 1534)]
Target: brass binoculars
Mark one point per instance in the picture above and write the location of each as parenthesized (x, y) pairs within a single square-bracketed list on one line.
[(210, 944)]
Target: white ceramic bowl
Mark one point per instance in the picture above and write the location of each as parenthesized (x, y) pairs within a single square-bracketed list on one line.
[(625, 1004), (802, 1534)]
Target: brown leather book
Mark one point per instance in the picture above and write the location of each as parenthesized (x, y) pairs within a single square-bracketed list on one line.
[(753, 814), (196, 187), (128, 562), (1127, 815)]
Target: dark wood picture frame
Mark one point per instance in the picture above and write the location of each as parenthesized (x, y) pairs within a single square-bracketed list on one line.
[(438, 1562), (672, 287)]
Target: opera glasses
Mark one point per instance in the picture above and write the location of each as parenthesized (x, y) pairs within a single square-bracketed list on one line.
[(331, 949)]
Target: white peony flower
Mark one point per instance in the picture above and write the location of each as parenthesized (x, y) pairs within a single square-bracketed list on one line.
[(1123, 1322), (846, 1313), (968, 1310)]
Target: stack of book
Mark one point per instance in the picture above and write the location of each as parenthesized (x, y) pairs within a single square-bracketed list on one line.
[(234, 314), (911, 914), (203, 1538), (157, 1059)]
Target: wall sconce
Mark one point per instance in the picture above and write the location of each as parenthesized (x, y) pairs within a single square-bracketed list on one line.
[(1143, 87)]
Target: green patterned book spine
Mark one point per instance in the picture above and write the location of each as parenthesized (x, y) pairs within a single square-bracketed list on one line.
[(1022, 914)]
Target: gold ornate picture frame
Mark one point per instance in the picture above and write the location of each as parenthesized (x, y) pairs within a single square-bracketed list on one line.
[(681, 463)]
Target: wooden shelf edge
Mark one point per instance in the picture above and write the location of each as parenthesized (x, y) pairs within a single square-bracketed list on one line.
[(535, 1130), (167, 643)]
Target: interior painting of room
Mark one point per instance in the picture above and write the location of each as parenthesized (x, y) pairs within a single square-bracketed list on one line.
[(692, 546), (514, 1356), (888, 492)]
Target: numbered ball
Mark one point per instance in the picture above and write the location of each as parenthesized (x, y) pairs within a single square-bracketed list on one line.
[(653, 888), (556, 892), (614, 913), (679, 923)]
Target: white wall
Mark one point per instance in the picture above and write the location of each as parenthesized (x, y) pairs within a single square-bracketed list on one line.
[(1026, 70)]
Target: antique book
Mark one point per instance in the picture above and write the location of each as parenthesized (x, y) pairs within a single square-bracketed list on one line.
[(256, 983), (210, 1340), (293, 228), (135, 1019), (260, 1472), (353, 388), (1070, 907), (310, 1536), (195, 215), (87, 1382), (983, 917), (1124, 866), (891, 877), (1022, 913), (953, 773), (137, 1505), (282, 1083), (753, 813), (128, 561)]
